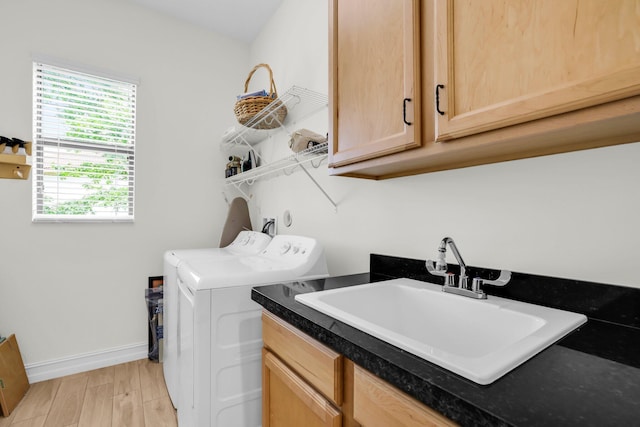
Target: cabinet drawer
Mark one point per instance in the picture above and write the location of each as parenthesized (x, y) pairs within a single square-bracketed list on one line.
[(290, 401), (378, 404), (315, 363)]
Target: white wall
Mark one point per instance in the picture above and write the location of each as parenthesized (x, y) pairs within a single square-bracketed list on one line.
[(72, 289), (573, 215)]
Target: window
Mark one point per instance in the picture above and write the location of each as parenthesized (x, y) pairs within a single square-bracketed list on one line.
[(84, 131)]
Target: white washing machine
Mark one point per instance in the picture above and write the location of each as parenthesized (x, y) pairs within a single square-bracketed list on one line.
[(220, 335), (246, 243)]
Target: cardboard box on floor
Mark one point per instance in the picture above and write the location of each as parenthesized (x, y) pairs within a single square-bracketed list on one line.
[(13, 378)]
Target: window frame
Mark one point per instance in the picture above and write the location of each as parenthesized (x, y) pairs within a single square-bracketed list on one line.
[(89, 147)]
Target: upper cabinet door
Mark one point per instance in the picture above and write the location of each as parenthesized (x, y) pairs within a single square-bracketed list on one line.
[(374, 95), (504, 62)]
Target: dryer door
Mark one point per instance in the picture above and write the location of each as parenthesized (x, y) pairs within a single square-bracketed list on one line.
[(170, 320), (186, 354)]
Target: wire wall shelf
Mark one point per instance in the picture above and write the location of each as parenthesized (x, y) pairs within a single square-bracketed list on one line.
[(300, 103), (285, 166), (310, 157)]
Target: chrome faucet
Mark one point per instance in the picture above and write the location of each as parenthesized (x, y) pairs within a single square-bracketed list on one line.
[(440, 268)]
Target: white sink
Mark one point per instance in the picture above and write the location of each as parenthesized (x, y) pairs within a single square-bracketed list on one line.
[(478, 339)]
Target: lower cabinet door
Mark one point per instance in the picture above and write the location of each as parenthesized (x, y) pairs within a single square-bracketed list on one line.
[(289, 401), (378, 404)]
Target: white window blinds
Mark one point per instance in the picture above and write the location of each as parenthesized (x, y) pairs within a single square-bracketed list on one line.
[(84, 130)]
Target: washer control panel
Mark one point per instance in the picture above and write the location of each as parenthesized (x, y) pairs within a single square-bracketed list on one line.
[(249, 242), (294, 248), (284, 259)]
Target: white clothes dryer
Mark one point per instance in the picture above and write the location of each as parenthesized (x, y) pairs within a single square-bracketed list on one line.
[(246, 243), (220, 335)]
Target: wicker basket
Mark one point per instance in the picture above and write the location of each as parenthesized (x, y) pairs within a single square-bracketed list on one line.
[(253, 111)]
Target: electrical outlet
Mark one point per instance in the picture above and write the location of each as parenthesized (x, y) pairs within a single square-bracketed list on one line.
[(269, 226)]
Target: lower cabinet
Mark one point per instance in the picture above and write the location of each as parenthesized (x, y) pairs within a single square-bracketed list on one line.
[(305, 383), (289, 401), (377, 403), (302, 379)]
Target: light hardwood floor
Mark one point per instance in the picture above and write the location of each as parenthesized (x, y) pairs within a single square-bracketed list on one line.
[(131, 394)]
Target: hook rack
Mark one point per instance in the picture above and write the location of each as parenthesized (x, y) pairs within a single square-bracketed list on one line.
[(15, 158)]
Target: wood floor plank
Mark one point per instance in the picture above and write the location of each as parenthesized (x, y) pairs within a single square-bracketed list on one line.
[(6, 421), (128, 410), (160, 413), (152, 381), (126, 378), (101, 376), (97, 409), (38, 400), (132, 394), (31, 422), (67, 404)]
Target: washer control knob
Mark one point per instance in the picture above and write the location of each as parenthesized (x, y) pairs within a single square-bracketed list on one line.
[(295, 249), (285, 248)]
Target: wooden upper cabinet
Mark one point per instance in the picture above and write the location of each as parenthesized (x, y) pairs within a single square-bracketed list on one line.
[(374, 96), (504, 62)]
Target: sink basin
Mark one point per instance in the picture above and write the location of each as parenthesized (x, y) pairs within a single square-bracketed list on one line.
[(480, 340)]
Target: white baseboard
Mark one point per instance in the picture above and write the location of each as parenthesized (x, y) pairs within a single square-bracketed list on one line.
[(42, 371)]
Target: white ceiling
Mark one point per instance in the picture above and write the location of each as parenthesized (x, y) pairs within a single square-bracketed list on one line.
[(239, 19)]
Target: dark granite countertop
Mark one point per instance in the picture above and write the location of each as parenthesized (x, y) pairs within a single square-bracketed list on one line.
[(589, 378)]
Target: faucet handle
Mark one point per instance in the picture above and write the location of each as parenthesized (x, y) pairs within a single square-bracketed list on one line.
[(476, 283), (505, 276), (450, 280), (433, 269), (463, 282)]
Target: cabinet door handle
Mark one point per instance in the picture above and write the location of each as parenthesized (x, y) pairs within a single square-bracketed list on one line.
[(438, 87), (404, 111)]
